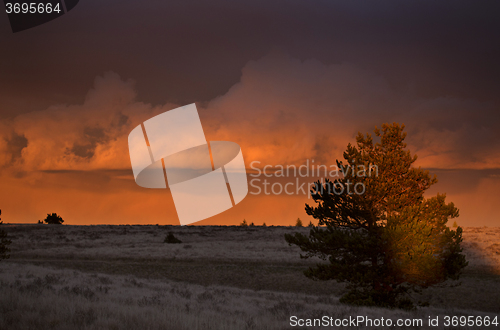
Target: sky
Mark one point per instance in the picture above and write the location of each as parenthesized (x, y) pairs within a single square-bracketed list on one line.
[(289, 81)]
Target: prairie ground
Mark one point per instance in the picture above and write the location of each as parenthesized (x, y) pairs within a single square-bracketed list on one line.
[(126, 277)]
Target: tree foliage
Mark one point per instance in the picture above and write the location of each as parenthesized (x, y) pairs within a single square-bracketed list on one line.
[(53, 219), (4, 243), (298, 223), (388, 240)]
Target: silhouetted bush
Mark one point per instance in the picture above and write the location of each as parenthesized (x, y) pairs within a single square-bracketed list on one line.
[(171, 239), (298, 223), (53, 219), (4, 243), (244, 223)]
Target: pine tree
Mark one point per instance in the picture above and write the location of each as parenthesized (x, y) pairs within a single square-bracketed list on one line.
[(298, 223), (381, 235), (244, 223)]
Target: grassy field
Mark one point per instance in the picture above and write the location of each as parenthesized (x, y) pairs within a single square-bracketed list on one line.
[(125, 277)]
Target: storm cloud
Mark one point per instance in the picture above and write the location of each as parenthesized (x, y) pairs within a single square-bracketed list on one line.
[(288, 81)]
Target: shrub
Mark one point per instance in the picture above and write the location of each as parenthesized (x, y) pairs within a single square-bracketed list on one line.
[(298, 223), (171, 239), (53, 219), (4, 243), (244, 223)]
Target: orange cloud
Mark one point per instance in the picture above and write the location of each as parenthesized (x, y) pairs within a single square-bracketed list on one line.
[(74, 158), (78, 137), (284, 111)]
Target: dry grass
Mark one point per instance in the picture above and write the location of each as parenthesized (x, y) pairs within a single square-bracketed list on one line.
[(125, 277), (482, 247)]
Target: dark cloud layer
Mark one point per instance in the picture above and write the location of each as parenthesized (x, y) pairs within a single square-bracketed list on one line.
[(15, 145), (193, 51)]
